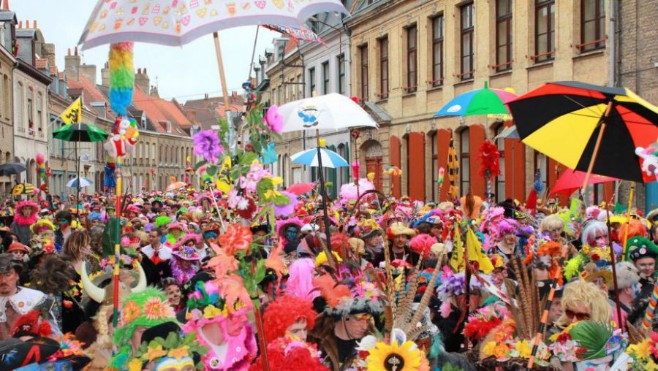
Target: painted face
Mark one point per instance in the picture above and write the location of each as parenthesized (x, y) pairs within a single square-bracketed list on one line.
[(356, 325), (510, 239)]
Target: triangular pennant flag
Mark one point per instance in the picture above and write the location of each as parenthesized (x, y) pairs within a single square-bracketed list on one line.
[(73, 114)]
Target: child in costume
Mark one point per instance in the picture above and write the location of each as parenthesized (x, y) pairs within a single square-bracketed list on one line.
[(26, 215)]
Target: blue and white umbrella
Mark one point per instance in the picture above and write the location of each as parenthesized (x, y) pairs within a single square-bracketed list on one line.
[(84, 182), (310, 158)]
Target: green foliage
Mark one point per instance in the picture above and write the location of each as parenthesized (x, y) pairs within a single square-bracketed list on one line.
[(593, 337)]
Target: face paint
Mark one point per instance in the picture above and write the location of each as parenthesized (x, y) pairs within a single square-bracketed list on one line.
[(291, 234)]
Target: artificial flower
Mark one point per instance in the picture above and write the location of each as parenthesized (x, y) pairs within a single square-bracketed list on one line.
[(287, 209), (130, 312), (232, 289), (421, 244), (154, 308), (237, 238), (275, 261), (153, 353), (207, 145), (180, 352), (500, 350), (383, 356), (211, 311), (273, 119), (488, 349), (222, 263), (523, 348), (135, 365)]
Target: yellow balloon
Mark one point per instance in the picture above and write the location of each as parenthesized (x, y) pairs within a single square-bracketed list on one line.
[(371, 176)]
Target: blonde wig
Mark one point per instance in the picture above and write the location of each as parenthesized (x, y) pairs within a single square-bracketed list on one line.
[(551, 222), (588, 294)]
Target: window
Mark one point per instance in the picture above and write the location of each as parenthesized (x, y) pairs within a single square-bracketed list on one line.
[(325, 77), (39, 122), (592, 25), (503, 35), (500, 180), (30, 114), (20, 109), (464, 161), (341, 73), (383, 68), (437, 50), (412, 57), (363, 59), (544, 30), (467, 47)]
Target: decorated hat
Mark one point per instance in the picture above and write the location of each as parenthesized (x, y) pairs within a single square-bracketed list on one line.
[(15, 353), (353, 296), (641, 247), (18, 247), (172, 352), (369, 228), (162, 220), (183, 241), (42, 225), (398, 228), (186, 253), (627, 275), (175, 225), (31, 204), (147, 308)]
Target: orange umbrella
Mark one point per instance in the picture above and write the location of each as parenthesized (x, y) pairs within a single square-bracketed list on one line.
[(176, 185)]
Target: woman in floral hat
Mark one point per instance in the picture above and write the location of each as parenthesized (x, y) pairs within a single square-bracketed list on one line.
[(185, 263)]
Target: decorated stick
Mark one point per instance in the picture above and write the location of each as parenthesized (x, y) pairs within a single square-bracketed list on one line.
[(628, 216), (441, 179), (651, 309)]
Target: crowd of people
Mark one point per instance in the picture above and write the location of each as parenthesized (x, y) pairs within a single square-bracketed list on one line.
[(370, 284)]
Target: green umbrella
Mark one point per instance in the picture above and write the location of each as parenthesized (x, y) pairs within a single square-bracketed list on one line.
[(80, 133)]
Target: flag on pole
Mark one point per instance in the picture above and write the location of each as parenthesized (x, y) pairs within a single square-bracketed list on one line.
[(73, 114), (453, 170)]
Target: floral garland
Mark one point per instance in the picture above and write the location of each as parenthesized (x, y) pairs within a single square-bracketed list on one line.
[(507, 346), (485, 319)]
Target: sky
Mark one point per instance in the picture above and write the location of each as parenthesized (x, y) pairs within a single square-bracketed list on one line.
[(187, 72)]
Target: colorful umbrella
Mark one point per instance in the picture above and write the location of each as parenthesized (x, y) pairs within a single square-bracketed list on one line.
[(178, 22), (176, 185), (577, 124), (310, 158), (331, 111), (300, 33), (79, 182), (80, 133), (571, 180), (301, 188), (478, 102)]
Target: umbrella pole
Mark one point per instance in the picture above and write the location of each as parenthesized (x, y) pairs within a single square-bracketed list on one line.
[(77, 188), (597, 145), (327, 226), (628, 217), (620, 325), (222, 76), (117, 247)]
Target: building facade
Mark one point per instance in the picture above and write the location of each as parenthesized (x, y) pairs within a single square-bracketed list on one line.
[(7, 64), (410, 58)]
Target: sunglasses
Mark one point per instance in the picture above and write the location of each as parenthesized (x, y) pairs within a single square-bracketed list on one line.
[(579, 316)]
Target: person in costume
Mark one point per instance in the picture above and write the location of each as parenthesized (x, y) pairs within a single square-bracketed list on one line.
[(286, 323), (347, 315), (26, 215), (399, 236), (582, 300), (16, 300), (139, 312), (19, 251), (628, 290), (158, 253), (173, 291), (371, 234), (175, 230), (643, 252), (185, 263), (223, 329), (77, 249), (64, 221), (506, 234)]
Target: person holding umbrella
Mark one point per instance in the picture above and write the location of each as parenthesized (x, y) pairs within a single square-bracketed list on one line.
[(26, 215)]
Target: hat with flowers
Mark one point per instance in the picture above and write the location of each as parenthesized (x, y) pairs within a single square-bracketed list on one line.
[(352, 295), (147, 308)]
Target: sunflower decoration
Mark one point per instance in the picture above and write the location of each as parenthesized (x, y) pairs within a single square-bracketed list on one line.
[(396, 357)]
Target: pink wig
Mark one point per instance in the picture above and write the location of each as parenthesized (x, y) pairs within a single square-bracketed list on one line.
[(506, 226), (300, 279), (18, 215)]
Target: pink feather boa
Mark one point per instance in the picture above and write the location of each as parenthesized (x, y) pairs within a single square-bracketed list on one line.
[(20, 219)]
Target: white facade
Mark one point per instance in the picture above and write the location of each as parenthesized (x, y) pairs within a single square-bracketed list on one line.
[(31, 129)]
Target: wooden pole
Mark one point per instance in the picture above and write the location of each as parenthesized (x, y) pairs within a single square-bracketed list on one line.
[(628, 219), (222, 76)]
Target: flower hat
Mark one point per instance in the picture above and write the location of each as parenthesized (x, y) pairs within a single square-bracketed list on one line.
[(147, 308), (42, 225), (350, 296), (186, 253), (173, 352)]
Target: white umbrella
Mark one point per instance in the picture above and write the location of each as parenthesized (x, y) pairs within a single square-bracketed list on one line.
[(84, 182), (332, 112), (310, 158)]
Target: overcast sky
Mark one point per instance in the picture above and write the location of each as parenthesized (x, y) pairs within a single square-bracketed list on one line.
[(185, 73)]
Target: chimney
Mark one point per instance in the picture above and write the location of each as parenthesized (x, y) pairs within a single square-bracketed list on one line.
[(6, 5), (35, 24), (105, 75), (72, 66), (27, 23), (49, 53), (142, 80), (154, 91), (88, 71), (20, 24)]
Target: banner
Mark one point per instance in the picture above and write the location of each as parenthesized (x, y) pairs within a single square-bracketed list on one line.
[(73, 114)]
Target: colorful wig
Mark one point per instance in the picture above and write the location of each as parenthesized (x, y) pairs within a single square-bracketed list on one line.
[(592, 228), (300, 279), (18, 215), (122, 77), (284, 312), (506, 226), (587, 293)]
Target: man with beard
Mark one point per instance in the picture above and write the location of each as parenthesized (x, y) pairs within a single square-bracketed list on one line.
[(15, 300)]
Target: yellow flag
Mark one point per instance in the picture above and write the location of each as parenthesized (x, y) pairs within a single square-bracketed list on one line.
[(224, 176), (475, 252), (73, 114), (457, 259)]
